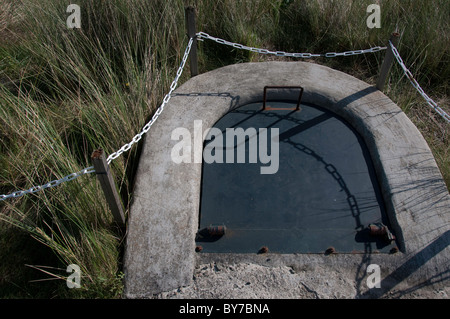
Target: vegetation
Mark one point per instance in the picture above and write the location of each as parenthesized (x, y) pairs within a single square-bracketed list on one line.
[(65, 92)]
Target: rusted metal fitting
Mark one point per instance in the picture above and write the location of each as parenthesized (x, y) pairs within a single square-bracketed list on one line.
[(381, 230), (263, 250), (198, 249), (330, 250), (216, 230), (377, 229), (297, 108)]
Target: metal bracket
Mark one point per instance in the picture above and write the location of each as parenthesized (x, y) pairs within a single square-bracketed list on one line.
[(381, 230), (282, 87)]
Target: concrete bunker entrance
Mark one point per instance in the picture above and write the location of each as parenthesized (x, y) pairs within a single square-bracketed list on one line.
[(319, 192), (163, 220)]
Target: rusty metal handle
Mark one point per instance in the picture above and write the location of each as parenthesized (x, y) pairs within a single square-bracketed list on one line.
[(282, 87)]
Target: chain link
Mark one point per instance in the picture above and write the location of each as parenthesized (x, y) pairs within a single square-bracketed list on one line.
[(203, 35), (158, 112), (53, 183), (416, 85)]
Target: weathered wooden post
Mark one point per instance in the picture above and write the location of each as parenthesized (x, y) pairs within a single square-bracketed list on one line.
[(102, 170), (191, 32), (387, 62)]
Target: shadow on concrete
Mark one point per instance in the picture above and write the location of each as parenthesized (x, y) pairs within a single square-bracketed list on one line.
[(434, 189), (356, 96), (410, 267), (234, 99)]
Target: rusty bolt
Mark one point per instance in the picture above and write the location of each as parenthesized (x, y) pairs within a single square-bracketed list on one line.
[(377, 229), (198, 249), (330, 250), (263, 250)]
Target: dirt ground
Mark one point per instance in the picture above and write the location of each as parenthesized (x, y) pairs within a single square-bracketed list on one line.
[(252, 281)]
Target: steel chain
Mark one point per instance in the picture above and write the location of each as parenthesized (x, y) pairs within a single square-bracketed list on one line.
[(53, 183), (158, 112), (416, 85), (203, 35)]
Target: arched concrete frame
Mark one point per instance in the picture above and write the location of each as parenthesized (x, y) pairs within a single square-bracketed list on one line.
[(163, 217)]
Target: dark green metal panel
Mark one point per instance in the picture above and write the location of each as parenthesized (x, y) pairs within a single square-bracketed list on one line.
[(324, 193)]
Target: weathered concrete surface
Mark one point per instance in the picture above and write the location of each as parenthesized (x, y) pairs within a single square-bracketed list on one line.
[(163, 220), (307, 276)]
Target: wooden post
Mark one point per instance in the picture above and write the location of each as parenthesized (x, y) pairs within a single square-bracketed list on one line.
[(387, 62), (106, 180), (190, 27)]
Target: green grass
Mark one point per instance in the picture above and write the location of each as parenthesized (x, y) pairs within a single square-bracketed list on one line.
[(64, 93)]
